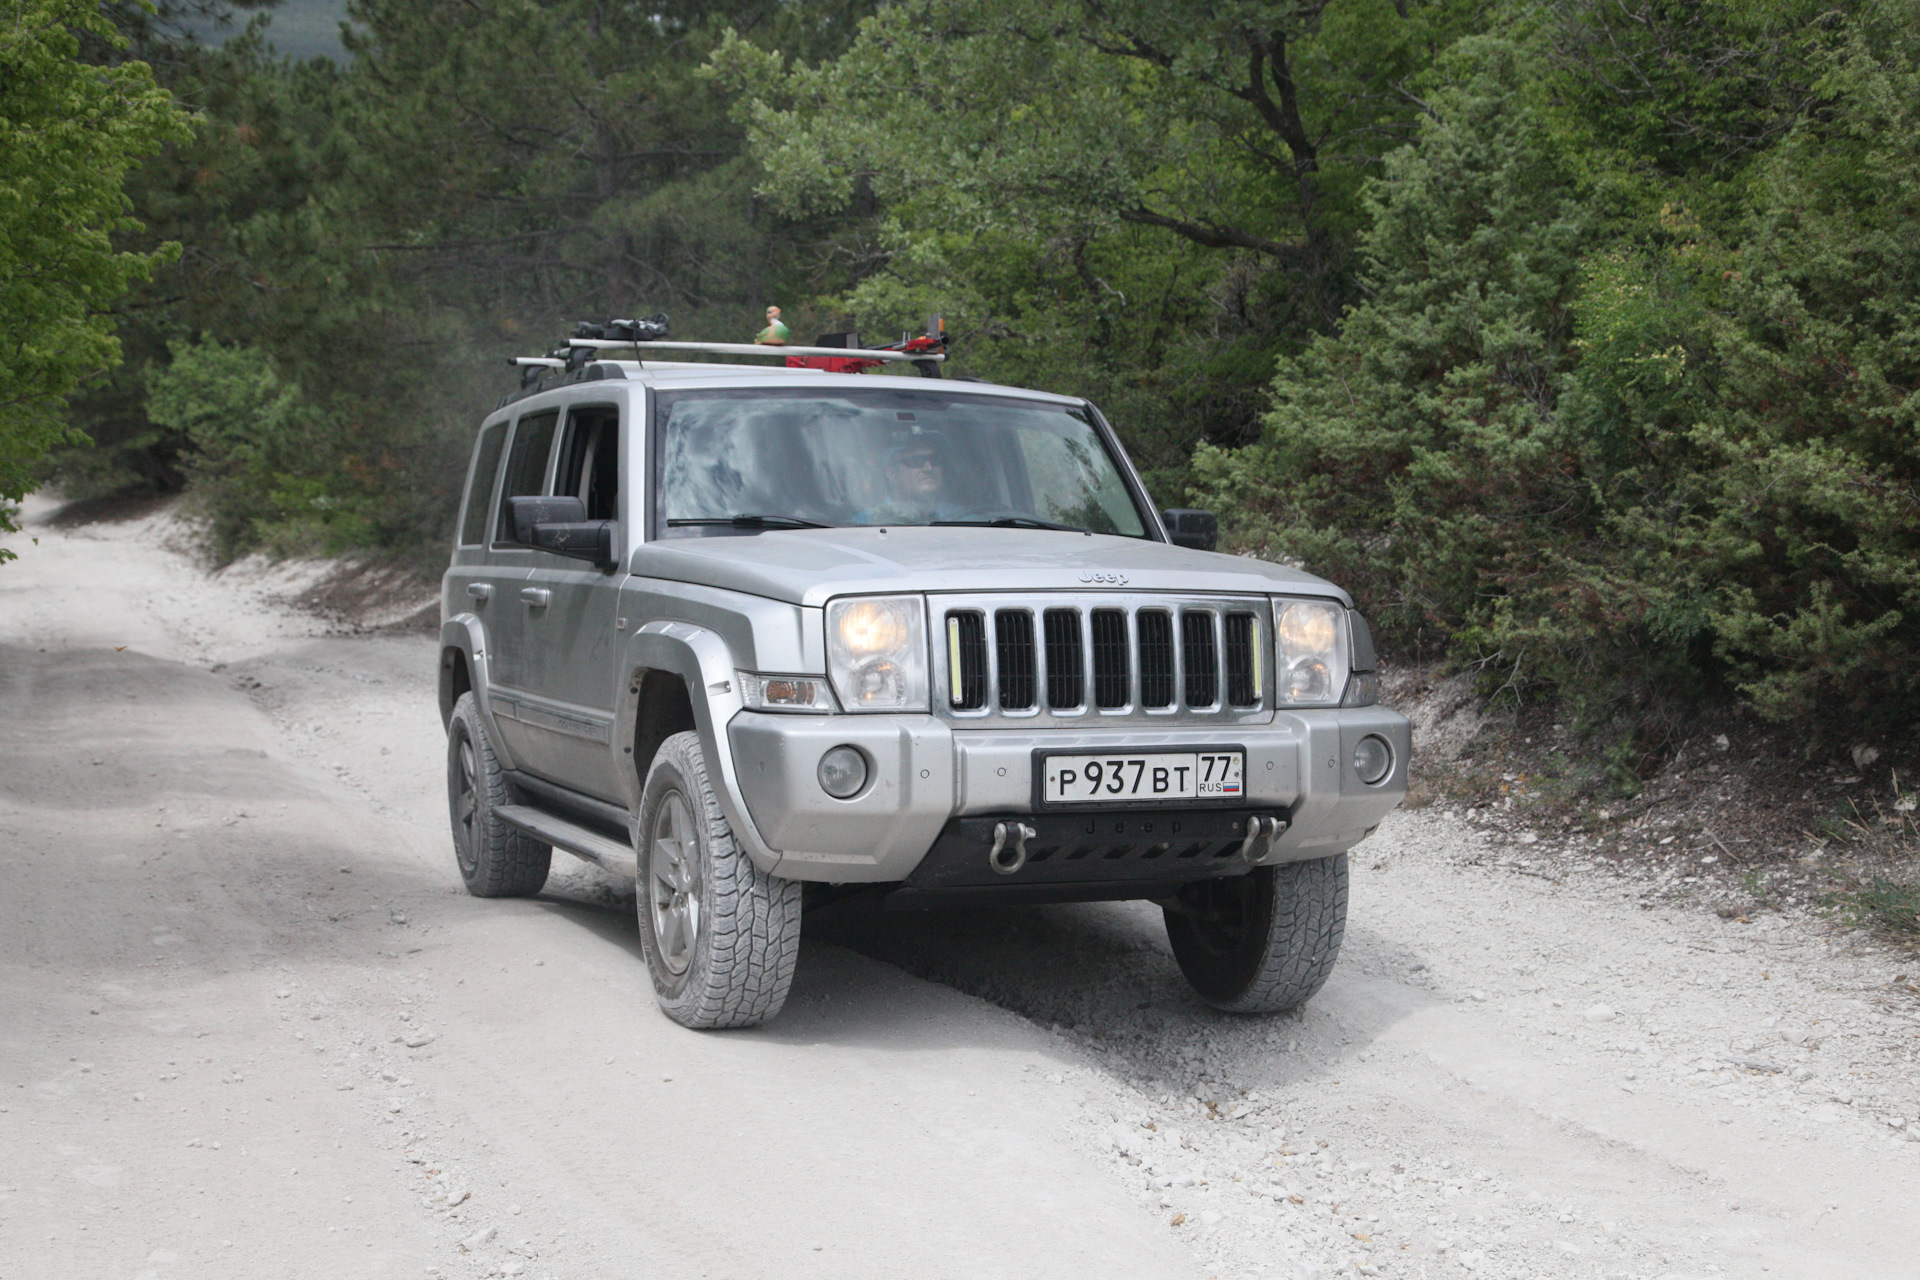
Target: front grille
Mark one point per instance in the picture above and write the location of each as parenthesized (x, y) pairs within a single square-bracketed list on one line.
[(1065, 658)]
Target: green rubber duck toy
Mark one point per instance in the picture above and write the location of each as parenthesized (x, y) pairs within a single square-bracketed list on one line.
[(775, 334)]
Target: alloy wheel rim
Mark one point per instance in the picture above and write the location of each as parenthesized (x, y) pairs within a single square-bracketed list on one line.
[(673, 883), (1222, 924)]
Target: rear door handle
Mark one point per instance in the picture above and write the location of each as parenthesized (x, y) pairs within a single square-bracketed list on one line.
[(480, 590), (537, 597)]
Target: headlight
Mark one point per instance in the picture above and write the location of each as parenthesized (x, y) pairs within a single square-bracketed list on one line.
[(877, 653), (1310, 640), (785, 693)]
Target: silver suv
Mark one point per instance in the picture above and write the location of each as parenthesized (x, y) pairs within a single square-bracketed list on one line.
[(775, 628)]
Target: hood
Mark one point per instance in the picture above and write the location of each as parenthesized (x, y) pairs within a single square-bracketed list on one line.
[(810, 566)]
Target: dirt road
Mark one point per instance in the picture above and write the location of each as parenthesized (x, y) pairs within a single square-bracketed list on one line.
[(251, 1026)]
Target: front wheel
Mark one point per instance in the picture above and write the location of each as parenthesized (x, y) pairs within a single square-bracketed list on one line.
[(721, 936), (1263, 942)]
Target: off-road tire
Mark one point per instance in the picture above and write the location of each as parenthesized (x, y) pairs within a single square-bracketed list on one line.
[(738, 966), (1263, 942), (495, 860)]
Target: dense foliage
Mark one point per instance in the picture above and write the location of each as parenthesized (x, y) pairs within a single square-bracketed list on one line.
[(1143, 202), (1630, 409), (1578, 339), (68, 133), (476, 178)]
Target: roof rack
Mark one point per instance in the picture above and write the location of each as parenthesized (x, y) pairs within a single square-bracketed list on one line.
[(832, 352)]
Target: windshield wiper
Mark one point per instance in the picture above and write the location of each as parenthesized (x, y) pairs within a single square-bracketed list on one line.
[(751, 522), (1010, 522)]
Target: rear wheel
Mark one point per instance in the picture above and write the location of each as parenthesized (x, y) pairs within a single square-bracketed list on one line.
[(721, 936), (1263, 942), (496, 860)]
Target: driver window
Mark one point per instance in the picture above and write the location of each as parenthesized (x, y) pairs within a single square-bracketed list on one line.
[(526, 465), (590, 462)]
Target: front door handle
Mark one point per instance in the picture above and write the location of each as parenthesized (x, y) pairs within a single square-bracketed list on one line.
[(537, 597), (480, 590)]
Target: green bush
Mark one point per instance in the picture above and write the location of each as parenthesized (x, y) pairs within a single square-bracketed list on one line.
[(1608, 446), (70, 128), (1808, 454), (1415, 454), (259, 454)]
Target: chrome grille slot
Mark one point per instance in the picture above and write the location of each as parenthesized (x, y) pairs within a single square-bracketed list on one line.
[(1110, 665), (1089, 658), (1066, 672), (1013, 648), (1200, 656), (1155, 627), (967, 659), (1243, 660)]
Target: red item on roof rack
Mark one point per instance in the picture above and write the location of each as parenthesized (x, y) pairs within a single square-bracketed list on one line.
[(932, 343)]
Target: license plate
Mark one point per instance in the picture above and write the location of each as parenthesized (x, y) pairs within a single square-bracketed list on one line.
[(1111, 779)]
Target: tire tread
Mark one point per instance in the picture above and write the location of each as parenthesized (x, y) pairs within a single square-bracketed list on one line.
[(744, 968), (1309, 925), (509, 863), (1296, 955)]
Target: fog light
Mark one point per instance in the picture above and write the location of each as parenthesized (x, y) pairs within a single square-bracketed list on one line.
[(843, 771), (1372, 760)]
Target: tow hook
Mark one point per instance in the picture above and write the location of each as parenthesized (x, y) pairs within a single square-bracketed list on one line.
[(1009, 852), (1262, 831)]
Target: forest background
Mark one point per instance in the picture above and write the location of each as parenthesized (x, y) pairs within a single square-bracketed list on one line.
[(1579, 339)]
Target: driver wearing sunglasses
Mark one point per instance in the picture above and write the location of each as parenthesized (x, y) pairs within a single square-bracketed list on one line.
[(916, 477)]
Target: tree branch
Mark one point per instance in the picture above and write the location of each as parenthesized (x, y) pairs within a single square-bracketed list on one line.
[(1270, 60), (1212, 237), (449, 246)]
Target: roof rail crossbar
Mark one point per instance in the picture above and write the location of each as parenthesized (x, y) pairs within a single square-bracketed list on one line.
[(755, 349), (576, 356)]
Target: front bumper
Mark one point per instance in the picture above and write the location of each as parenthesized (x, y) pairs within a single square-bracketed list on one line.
[(923, 773)]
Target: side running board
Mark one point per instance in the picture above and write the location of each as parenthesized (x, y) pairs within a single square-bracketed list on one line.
[(614, 855)]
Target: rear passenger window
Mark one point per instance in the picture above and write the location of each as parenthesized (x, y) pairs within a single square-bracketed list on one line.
[(486, 464), (590, 462), (526, 465)]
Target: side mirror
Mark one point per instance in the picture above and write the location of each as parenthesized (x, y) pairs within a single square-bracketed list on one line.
[(1187, 527), (560, 525), (526, 512)]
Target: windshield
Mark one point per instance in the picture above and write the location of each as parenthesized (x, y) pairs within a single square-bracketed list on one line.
[(772, 457)]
